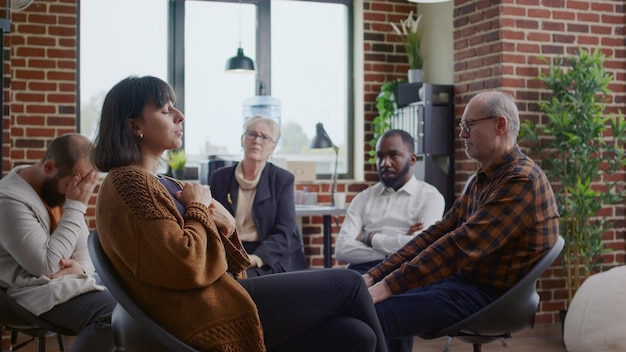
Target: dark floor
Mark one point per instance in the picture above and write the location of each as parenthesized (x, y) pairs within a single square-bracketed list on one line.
[(545, 338)]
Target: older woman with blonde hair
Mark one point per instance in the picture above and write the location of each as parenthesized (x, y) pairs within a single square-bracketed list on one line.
[(259, 195)]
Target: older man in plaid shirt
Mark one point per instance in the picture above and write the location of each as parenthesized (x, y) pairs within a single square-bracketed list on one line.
[(504, 221)]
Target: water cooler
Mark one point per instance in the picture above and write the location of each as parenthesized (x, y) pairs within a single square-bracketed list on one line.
[(263, 105)]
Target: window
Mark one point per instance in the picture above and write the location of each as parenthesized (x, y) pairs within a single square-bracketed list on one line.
[(301, 49), (213, 98), (303, 64), (310, 75), (118, 38)]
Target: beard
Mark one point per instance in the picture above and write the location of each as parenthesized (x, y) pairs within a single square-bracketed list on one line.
[(50, 192), (392, 182)]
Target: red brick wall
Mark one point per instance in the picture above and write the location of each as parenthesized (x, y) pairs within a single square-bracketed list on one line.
[(42, 80), (312, 226), (496, 47)]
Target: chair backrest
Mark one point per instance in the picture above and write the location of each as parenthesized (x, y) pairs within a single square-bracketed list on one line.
[(14, 316), (513, 311), (133, 329)]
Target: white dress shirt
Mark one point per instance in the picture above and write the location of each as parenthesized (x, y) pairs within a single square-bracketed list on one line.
[(388, 214)]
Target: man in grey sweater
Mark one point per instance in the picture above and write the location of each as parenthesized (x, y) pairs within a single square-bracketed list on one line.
[(45, 264)]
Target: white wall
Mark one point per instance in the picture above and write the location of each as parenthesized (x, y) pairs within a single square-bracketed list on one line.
[(437, 45)]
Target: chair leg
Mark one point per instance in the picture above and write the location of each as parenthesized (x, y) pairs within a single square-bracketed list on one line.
[(503, 340), (13, 337), (477, 347), (448, 343), (42, 344), (13, 345), (61, 341)]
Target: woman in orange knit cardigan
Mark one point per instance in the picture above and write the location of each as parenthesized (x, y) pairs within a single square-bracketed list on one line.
[(177, 251)]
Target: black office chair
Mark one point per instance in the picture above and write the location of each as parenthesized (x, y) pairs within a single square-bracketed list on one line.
[(133, 330), (513, 311), (16, 319)]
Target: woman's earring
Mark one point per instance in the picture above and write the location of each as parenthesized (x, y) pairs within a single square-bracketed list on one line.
[(141, 136)]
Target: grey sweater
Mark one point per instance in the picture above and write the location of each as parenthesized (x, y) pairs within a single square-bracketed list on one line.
[(29, 253)]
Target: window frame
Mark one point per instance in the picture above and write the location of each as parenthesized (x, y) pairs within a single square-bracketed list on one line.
[(176, 73)]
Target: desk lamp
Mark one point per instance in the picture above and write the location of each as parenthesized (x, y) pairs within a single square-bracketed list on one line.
[(321, 141)]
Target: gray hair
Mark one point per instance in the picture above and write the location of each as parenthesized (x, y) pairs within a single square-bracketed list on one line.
[(500, 104), (274, 127)]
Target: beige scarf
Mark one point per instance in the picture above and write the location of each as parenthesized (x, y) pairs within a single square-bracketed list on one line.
[(245, 200)]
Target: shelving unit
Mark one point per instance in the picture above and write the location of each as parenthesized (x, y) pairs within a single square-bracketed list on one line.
[(430, 121)]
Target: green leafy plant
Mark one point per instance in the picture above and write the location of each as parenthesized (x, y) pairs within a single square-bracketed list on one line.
[(176, 159), (580, 148), (410, 32), (386, 105)]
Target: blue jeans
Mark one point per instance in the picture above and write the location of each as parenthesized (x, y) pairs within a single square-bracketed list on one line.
[(431, 307)]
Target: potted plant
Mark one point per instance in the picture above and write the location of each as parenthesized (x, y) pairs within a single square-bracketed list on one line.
[(580, 148), (410, 33), (176, 159), (386, 105)]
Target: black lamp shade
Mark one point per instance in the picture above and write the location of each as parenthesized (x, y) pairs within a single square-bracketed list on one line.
[(321, 139), (240, 63)]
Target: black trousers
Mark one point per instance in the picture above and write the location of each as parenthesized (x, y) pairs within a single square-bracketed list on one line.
[(316, 310), (362, 268), (89, 315), (250, 247)]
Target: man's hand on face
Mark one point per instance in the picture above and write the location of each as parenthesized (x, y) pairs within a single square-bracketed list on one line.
[(81, 189)]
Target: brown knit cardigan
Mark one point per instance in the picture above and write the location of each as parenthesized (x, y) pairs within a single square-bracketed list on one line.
[(175, 267)]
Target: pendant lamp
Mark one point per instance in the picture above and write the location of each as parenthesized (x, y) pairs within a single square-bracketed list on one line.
[(240, 62)]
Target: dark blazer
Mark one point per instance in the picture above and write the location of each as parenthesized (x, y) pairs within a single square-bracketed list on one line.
[(273, 213)]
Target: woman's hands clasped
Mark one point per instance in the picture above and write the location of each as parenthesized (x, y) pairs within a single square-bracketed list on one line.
[(224, 221), (195, 192)]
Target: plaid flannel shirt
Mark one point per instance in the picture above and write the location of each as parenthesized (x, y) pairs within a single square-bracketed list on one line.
[(504, 221)]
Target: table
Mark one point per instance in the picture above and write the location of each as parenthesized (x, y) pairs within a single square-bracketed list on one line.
[(326, 212)]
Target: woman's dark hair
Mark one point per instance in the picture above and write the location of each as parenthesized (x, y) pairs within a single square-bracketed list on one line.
[(115, 145)]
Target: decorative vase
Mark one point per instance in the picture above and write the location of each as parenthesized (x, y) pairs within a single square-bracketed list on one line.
[(415, 75)]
